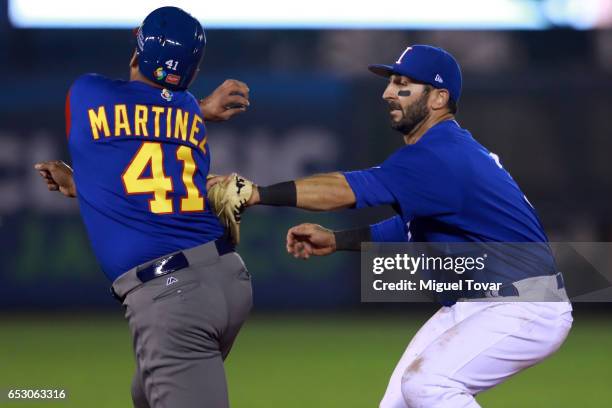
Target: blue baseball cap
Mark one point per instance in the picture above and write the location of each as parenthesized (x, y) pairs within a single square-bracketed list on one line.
[(427, 64)]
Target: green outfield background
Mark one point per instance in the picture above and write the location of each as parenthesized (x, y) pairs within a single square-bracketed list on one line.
[(293, 361)]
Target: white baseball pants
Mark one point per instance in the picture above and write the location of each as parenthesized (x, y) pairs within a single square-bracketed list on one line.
[(470, 347)]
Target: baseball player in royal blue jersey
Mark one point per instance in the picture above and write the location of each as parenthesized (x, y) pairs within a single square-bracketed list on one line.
[(140, 156), (445, 187)]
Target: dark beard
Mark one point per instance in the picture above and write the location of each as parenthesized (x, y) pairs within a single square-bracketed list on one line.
[(412, 117)]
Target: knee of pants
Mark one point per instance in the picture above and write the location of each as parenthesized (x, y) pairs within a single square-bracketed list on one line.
[(423, 390)]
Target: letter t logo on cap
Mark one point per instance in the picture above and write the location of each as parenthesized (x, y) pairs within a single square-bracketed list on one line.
[(399, 60)]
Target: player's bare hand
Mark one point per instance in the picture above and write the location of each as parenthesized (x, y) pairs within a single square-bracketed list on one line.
[(228, 100), (306, 240), (58, 176)]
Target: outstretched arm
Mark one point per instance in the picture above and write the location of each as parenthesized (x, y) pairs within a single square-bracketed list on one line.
[(321, 192), (325, 192)]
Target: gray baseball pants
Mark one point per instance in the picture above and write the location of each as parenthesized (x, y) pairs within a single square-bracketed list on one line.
[(183, 325)]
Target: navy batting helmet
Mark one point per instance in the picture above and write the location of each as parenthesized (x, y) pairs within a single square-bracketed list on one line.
[(170, 44)]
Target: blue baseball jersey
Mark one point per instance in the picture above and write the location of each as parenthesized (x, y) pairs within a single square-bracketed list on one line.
[(448, 188), (140, 162)]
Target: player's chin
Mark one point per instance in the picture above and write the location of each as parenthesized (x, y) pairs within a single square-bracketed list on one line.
[(396, 123)]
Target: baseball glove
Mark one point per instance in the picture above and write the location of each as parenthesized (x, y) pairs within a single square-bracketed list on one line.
[(228, 200)]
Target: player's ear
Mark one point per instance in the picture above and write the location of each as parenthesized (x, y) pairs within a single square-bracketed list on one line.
[(440, 99)]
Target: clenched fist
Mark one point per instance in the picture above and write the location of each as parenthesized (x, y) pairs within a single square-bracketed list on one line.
[(229, 99), (305, 240), (58, 176)]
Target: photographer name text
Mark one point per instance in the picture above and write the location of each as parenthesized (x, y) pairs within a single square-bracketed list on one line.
[(433, 285)]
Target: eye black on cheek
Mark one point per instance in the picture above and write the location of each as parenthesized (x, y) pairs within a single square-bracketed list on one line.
[(404, 92)]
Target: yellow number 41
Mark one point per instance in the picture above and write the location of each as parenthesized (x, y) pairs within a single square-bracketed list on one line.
[(151, 155)]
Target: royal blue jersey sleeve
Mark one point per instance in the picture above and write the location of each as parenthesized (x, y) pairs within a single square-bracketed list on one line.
[(413, 179), (369, 191), (390, 230)]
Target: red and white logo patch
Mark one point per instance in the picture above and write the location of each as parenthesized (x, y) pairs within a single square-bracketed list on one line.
[(173, 79)]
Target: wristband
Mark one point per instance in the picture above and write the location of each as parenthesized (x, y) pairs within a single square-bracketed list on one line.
[(350, 240), (281, 194)]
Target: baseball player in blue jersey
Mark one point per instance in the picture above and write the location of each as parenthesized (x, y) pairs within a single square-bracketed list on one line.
[(445, 187), (140, 156)]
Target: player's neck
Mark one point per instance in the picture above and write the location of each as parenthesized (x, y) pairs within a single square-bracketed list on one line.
[(422, 128)]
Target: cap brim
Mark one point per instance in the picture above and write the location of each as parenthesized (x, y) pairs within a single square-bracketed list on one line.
[(381, 70)]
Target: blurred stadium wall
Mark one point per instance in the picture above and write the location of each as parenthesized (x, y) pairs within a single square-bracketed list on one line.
[(539, 98)]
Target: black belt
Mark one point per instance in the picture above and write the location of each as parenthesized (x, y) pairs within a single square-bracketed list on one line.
[(505, 290), (173, 263)]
